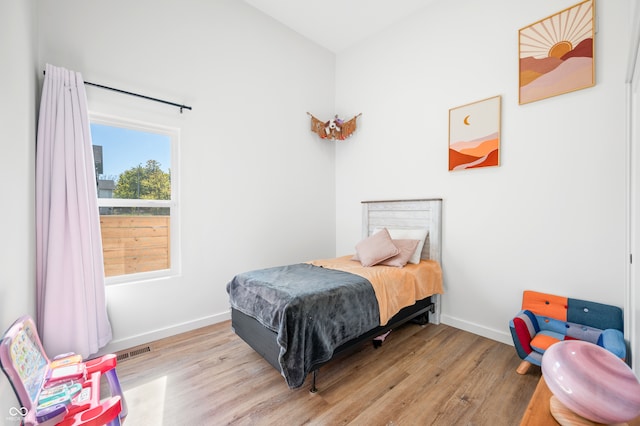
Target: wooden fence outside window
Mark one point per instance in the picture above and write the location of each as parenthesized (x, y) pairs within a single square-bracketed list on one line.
[(133, 244)]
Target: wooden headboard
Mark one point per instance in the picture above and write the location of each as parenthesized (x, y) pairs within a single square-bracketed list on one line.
[(407, 214), (410, 214)]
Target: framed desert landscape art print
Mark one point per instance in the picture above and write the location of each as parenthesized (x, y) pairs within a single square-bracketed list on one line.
[(474, 134), (556, 53)]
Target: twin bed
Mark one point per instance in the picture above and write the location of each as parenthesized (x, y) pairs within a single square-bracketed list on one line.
[(299, 317)]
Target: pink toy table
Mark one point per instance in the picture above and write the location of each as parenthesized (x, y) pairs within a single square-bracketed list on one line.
[(30, 371)]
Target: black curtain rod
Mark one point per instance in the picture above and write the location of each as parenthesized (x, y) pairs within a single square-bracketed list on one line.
[(136, 95), (139, 96)]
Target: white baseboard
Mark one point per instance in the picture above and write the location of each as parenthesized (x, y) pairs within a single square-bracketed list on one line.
[(141, 339), (489, 333)]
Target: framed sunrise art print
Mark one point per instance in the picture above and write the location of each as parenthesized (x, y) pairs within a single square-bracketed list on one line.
[(474, 134), (556, 54)]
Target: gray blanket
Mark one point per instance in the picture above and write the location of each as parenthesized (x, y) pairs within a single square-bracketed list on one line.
[(312, 309)]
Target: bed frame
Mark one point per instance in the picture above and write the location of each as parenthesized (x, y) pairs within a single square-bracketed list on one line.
[(423, 213)]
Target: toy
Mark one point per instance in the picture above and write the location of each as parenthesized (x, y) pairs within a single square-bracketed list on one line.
[(65, 391), (334, 129)]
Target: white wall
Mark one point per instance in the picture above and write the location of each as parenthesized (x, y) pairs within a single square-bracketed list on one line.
[(17, 172), (633, 77), (257, 189), (633, 316), (552, 216)]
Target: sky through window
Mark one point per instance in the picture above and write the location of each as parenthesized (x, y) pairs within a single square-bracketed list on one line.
[(123, 149)]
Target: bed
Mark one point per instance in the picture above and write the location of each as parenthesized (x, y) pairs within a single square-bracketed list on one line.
[(331, 306)]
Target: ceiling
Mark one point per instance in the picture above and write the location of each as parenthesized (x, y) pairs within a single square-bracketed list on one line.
[(338, 24)]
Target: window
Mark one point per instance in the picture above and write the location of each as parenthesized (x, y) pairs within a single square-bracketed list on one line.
[(136, 172)]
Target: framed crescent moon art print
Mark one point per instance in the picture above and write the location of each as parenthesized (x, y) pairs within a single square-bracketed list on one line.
[(474, 135), (557, 53)]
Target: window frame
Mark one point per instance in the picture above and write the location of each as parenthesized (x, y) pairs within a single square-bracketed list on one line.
[(173, 204)]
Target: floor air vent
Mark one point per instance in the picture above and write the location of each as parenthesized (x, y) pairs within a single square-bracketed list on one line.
[(131, 353)]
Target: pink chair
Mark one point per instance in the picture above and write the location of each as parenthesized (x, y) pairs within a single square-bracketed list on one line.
[(28, 369)]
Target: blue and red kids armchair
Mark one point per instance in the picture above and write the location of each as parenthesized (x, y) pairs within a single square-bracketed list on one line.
[(546, 319)]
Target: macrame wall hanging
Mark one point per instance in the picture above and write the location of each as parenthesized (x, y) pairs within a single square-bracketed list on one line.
[(334, 129)]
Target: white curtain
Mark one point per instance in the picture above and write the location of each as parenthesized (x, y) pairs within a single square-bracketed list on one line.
[(71, 298)]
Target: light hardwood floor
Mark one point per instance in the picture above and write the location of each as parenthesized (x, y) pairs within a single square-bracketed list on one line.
[(422, 375)]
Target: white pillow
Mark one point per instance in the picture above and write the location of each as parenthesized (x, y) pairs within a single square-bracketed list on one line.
[(409, 234)]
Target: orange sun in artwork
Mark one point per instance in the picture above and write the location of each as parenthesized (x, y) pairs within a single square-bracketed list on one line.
[(558, 34), (559, 49)]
